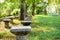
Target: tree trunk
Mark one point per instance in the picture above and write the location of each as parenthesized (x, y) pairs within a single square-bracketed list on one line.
[(45, 12), (33, 7), (23, 10)]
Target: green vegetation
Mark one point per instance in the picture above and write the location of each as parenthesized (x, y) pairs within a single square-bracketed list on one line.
[(7, 34), (1, 35), (46, 23), (45, 28)]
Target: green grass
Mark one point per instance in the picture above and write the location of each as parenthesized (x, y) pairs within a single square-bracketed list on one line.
[(45, 28), (6, 34)]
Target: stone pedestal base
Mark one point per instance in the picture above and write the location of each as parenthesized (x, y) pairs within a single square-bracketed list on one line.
[(21, 32), (7, 24), (19, 37)]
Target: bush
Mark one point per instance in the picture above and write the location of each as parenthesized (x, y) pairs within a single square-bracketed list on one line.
[(1, 35)]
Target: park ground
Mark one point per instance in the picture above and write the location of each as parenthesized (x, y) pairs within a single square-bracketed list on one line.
[(44, 27)]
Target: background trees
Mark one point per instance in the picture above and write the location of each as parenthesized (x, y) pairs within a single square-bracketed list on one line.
[(32, 7)]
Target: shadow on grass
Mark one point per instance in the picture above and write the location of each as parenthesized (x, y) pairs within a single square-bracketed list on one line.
[(49, 21), (45, 28)]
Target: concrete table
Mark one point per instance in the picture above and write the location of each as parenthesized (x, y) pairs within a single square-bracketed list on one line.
[(6, 22), (11, 17), (21, 32), (26, 23)]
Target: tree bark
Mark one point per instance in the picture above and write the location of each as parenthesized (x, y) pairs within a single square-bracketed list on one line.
[(23, 10), (33, 7), (45, 11)]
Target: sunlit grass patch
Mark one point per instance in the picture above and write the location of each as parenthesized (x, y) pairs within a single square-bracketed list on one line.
[(6, 33), (44, 29)]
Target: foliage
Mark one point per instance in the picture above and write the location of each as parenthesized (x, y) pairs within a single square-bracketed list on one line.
[(1, 35), (15, 12), (8, 6), (15, 4)]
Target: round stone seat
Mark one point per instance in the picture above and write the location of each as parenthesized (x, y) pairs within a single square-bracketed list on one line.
[(10, 17), (6, 20), (26, 23), (21, 30)]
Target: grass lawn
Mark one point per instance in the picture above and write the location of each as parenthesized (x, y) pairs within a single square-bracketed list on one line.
[(45, 28)]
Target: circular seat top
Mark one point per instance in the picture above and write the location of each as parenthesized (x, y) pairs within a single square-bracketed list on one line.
[(16, 29)]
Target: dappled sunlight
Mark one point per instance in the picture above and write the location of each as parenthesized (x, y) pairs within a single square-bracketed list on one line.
[(49, 38), (1, 1), (36, 21), (43, 16), (46, 16), (16, 21), (36, 38), (49, 21), (34, 17), (44, 29)]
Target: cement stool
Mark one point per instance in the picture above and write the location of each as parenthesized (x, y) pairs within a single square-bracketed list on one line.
[(11, 17), (26, 23), (6, 23), (21, 32)]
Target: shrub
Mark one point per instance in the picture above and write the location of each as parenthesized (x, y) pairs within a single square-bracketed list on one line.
[(1, 35)]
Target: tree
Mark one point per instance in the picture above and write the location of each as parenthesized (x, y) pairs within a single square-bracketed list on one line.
[(23, 10), (33, 7)]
